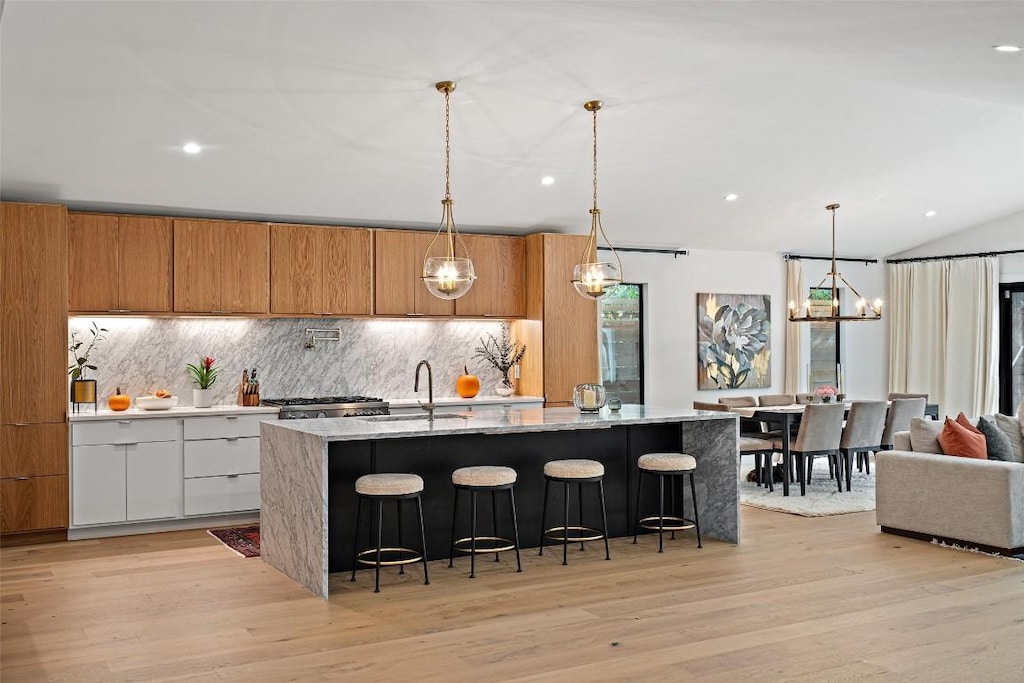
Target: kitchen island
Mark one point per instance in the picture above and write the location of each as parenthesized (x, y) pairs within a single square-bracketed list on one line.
[(309, 467)]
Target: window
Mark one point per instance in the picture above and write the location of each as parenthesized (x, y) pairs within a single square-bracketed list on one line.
[(1011, 347), (620, 342), (826, 342)]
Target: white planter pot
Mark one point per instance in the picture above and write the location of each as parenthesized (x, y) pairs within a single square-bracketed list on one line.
[(501, 390), (202, 398)]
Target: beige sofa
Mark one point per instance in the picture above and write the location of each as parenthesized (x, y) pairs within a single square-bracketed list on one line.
[(978, 503)]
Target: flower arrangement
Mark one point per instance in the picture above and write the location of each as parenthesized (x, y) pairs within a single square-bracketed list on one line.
[(503, 353), (825, 392), (78, 369), (203, 374)]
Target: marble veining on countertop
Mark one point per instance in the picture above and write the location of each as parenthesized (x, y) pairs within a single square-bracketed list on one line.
[(512, 420), (184, 411)]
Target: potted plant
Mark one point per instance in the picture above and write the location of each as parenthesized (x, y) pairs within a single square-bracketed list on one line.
[(503, 354), (825, 393), (83, 390), (204, 374)]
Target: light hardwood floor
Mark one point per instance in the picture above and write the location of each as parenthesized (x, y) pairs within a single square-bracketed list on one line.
[(800, 599)]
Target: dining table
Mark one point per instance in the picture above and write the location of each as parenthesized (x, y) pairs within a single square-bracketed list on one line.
[(786, 417)]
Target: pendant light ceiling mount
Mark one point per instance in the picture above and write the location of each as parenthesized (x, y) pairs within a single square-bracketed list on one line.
[(590, 277), (449, 276), (830, 311)]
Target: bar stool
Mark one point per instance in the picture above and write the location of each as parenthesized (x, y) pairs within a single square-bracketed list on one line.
[(378, 488), (481, 479), (668, 465), (577, 472)]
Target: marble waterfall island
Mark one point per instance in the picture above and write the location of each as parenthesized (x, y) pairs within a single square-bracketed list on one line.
[(308, 470)]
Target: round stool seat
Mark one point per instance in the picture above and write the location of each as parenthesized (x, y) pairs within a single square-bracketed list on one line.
[(666, 462), (573, 469), (484, 475), (389, 484)]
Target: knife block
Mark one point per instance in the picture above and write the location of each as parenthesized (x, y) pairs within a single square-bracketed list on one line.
[(248, 394)]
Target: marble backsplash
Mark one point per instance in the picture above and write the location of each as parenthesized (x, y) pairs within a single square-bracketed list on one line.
[(373, 358)]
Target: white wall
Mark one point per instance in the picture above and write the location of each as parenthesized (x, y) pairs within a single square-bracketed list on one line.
[(671, 319)]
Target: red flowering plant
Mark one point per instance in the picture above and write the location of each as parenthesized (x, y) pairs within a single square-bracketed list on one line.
[(203, 374)]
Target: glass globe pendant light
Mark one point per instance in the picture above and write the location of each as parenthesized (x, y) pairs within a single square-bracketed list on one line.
[(591, 277), (449, 276)]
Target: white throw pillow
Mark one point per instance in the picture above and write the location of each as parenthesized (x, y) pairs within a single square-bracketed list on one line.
[(924, 435)]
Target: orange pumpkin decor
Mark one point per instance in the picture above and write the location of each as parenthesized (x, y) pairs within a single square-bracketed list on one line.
[(467, 385), (119, 401)]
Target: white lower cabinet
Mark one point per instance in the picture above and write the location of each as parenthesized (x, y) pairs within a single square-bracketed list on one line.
[(130, 482), (153, 480), (231, 493), (222, 475)]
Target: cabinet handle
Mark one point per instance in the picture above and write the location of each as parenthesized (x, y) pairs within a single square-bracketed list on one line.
[(493, 315), (415, 315), (232, 476), (21, 424), (124, 422), (22, 478), (231, 417), (232, 438), (130, 443)]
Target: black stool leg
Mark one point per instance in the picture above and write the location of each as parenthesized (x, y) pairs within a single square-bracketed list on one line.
[(423, 540), (639, 488), (494, 521), (355, 541), (565, 528), (472, 540), (451, 546), (579, 494), (867, 463), (661, 513), (604, 519), (398, 505), (696, 515), (515, 526), (380, 534), (544, 515)]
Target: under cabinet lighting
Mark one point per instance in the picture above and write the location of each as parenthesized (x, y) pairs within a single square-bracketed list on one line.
[(1006, 48), (929, 214), (547, 180), (731, 197), (192, 148)]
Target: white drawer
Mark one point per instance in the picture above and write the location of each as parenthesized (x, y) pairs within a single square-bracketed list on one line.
[(214, 457), (124, 431), (224, 426), (211, 495)]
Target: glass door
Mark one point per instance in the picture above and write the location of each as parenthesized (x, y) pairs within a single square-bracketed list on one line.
[(1011, 347), (620, 342)]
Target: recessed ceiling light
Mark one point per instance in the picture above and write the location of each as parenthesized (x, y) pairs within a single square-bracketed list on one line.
[(192, 148), (731, 197), (1006, 48), (547, 180), (929, 214)]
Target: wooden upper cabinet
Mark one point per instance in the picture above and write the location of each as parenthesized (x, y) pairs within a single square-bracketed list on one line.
[(316, 270), (34, 313), (500, 287), (119, 263), (398, 290), (220, 267)]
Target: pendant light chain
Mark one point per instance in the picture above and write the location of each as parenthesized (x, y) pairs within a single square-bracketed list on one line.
[(447, 146), (595, 157)]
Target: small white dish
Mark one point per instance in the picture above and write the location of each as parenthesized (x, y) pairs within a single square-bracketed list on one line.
[(154, 403)]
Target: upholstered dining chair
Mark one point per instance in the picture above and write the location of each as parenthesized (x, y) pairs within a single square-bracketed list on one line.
[(804, 399), (862, 435), (738, 401), (893, 395), (750, 444), (897, 419), (821, 430), (776, 400)]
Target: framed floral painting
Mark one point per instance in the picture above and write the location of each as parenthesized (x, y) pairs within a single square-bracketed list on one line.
[(734, 334)]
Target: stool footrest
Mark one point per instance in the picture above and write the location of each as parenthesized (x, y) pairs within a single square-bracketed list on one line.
[(413, 556), (464, 545), (672, 523), (557, 533)]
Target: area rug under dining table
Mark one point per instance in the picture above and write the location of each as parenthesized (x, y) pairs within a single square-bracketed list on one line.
[(822, 498)]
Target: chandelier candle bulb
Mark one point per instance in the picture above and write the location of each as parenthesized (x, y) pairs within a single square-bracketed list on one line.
[(878, 307)]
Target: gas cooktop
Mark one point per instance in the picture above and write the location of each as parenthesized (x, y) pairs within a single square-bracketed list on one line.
[(306, 407)]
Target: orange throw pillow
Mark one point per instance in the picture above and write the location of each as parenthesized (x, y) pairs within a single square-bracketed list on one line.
[(956, 439), (962, 420)]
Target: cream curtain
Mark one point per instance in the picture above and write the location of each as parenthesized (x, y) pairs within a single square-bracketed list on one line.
[(794, 331), (943, 332)]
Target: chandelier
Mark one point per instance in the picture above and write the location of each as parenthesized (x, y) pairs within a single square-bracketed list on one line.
[(829, 311), (448, 276), (590, 277)]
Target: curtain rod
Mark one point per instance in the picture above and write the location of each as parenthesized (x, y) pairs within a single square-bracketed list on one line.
[(981, 254), (643, 250), (799, 257)]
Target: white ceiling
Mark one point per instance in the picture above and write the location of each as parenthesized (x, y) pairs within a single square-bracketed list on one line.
[(326, 111)]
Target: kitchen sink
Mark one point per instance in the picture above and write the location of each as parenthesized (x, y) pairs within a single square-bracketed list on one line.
[(409, 418)]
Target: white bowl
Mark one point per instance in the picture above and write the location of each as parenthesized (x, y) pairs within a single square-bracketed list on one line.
[(154, 403)]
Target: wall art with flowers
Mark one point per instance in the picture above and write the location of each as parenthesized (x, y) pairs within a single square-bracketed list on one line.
[(734, 334)]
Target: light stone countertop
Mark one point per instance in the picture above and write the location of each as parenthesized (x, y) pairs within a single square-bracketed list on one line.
[(468, 402), (513, 420), (183, 411)]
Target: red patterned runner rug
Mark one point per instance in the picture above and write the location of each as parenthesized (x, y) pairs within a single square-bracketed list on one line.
[(244, 540)]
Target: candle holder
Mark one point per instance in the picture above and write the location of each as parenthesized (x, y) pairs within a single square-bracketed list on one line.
[(588, 398)]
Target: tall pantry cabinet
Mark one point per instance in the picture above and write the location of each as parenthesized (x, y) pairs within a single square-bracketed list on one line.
[(33, 372)]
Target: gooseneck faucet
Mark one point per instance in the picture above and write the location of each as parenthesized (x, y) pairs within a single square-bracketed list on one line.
[(429, 405)]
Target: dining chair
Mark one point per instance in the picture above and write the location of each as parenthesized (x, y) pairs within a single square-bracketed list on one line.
[(893, 395), (862, 435), (897, 419), (821, 430), (776, 400), (804, 399), (753, 444), (747, 426)]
